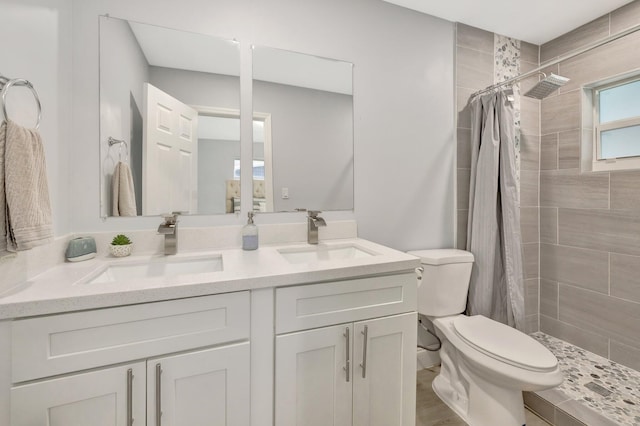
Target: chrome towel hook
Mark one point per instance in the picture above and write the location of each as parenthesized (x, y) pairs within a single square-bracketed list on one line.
[(7, 84)]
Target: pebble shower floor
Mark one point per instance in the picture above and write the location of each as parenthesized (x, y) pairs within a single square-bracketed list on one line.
[(604, 386)]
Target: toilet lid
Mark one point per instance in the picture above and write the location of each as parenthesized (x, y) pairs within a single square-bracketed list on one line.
[(504, 343)]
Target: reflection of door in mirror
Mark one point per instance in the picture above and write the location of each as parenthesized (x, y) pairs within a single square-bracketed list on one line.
[(170, 152), (192, 69)]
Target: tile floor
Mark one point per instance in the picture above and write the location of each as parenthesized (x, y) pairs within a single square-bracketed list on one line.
[(596, 391), (431, 411)]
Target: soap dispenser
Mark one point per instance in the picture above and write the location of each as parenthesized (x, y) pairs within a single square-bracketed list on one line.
[(250, 234)]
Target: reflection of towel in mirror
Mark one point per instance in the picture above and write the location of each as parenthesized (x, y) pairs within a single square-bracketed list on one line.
[(25, 209), (123, 193)]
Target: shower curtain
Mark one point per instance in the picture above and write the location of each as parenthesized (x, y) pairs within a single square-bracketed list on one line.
[(493, 233)]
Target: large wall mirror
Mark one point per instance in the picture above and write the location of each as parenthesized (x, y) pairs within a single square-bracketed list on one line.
[(303, 132), (169, 120)]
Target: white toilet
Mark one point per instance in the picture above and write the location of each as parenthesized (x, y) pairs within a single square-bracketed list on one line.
[(485, 364)]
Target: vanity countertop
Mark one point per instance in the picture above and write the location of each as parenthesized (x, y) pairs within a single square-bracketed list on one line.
[(64, 288)]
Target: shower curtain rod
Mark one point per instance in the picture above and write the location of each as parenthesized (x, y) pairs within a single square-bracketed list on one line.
[(569, 55)]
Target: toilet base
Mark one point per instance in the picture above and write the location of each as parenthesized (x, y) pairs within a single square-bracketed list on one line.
[(481, 403)]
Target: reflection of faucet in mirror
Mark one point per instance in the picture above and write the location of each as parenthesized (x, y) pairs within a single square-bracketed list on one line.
[(313, 222), (169, 228)]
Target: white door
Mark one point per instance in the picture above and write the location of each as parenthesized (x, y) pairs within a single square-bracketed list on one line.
[(97, 398), (384, 382), (170, 154), (208, 387), (313, 378)]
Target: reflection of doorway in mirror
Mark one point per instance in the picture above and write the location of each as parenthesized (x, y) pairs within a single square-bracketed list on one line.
[(262, 161), (169, 165), (218, 146)]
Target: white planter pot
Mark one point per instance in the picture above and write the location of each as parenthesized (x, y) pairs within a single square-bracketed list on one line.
[(121, 251)]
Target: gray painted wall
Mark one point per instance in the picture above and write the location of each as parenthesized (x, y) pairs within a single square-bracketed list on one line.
[(123, 70), (403, 95), (312, 146)]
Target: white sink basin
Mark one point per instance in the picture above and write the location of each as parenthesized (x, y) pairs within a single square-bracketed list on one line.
[(323, 253), (167, 267)]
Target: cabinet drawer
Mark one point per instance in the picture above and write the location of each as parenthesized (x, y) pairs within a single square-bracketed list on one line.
[(316, 305), (57, 344)]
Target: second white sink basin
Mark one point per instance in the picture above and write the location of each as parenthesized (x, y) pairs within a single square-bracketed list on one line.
[(323, 253), (158, 267)]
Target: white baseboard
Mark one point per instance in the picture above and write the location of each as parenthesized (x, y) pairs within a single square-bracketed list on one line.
[(427, 359)]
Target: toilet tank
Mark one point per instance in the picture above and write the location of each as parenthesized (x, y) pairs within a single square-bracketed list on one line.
[(443, 289)]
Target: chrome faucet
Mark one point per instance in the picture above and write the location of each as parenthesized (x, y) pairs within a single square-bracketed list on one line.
[(169, 228), (313, 222)]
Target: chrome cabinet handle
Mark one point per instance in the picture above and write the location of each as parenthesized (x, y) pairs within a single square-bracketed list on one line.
[(129, 397), (364, 351), (158, 395), (348, 365)]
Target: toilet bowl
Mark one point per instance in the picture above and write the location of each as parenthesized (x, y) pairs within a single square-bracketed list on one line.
[(485, 365)]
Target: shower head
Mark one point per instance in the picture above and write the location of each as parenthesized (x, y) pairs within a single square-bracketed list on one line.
[(547, 86)]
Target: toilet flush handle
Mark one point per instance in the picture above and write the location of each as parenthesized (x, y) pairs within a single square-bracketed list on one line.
[(419, 272)]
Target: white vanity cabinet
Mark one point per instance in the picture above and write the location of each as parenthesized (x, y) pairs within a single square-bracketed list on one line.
[(107, 397), (127, 378), (353, 362)]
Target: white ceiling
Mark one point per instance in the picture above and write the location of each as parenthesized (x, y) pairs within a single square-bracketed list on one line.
[(534, 21)]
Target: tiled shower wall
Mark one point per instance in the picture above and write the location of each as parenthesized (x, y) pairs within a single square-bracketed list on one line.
[(589, 221), (481, 60)]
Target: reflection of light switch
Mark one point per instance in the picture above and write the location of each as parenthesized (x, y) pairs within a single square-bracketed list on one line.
[(285, 193)]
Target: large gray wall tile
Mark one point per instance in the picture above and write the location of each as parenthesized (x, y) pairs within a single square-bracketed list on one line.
[(601, 63), (464, 148), (529, 52), (625, 17), (461, 237), (527, 83), (608, 316), (585, 268), (549, 225), (607, 230), (462, 107), (625, 355), (581, 36), (529, 152), (561, 113), (531, 260), (549, 298), (625, 190), (531, 323), (625, 277), (571, 189), (532, 288), (463, 188), (529, 188), (529, 224), (592, 342), (549, 152), (530, 116), (474, 38), (569, 149), (474, 69)]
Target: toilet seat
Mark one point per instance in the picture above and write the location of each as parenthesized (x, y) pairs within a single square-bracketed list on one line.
[(504, 343)]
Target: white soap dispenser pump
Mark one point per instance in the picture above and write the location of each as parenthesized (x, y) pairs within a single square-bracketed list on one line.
[(250, 234)]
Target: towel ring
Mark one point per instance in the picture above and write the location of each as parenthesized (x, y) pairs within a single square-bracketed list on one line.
[(20, 82), (113, 141)]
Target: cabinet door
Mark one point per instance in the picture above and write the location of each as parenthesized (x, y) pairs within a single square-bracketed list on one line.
[(209, 387), (97, 398), (313, 377), (384, 383)]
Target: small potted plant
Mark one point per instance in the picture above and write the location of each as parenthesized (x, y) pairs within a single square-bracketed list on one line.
[(121, 246)]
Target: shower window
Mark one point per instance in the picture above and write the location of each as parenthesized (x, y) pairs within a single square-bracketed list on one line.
[(617, 122)]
